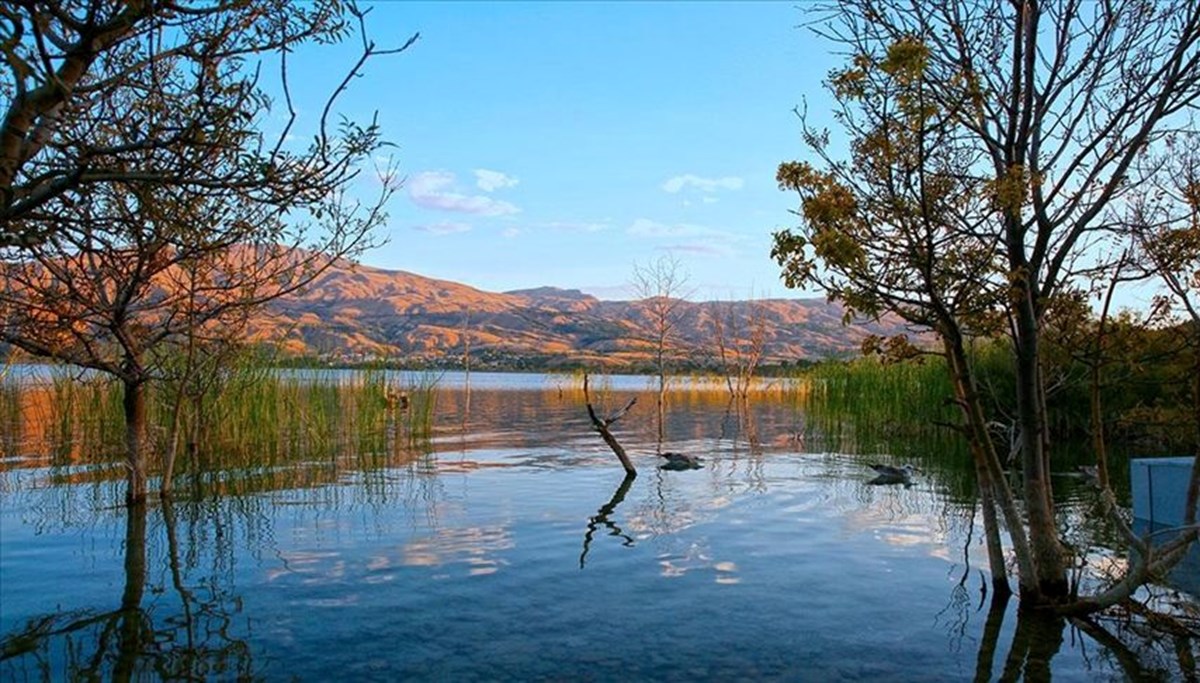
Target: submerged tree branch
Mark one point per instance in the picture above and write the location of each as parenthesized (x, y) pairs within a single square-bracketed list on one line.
[(602, 426)]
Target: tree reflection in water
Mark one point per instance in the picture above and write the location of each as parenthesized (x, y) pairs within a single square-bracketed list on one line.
[(601, 519), (1039, 636), (1137, 640), (191, 639), (991, 638)]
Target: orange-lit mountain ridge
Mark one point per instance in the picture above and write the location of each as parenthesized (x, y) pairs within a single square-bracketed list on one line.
[(360, 313)]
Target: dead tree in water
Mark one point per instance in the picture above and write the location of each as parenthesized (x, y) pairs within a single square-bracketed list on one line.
[(660, 285), (602, 427)]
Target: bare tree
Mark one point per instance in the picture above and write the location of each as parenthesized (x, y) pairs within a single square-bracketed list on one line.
[(142, 205), (661, 286), (601, 425), (739, 333)]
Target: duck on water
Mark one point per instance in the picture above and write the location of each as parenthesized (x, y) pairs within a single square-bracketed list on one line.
[(890, 474), (680, 461)]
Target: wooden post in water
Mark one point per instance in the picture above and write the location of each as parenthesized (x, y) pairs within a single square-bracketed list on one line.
[(602, 427)]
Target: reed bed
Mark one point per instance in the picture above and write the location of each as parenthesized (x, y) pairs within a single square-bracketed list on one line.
[(864, 406), (866, 389), (323, 420), (10, 417), (247, 427), (691, 388), (876, 391)]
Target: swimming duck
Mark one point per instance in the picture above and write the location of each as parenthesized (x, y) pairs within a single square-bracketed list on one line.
[(680, 461), (904, 471)]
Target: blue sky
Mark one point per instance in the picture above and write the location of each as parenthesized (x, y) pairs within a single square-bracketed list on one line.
[(558, 143)]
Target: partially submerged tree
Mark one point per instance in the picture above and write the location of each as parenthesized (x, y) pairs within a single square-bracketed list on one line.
[(661, 285), (142, 203), (601, 425), (989, 145), (739, 335)]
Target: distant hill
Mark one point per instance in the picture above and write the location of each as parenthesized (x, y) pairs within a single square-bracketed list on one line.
[(361, 313)]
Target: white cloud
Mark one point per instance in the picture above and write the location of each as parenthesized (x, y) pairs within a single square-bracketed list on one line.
[(436, 190), (644, 227), (442, 228), (700, 249), (705, 185), (575, 226), (509, 233), (687, 237), (490, 181)]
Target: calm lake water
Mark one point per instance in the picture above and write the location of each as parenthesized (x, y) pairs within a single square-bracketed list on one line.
[(512, 548)]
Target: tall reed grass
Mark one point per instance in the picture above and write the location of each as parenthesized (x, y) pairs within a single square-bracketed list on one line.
[(249, 424), (875, 390), (871, 407)]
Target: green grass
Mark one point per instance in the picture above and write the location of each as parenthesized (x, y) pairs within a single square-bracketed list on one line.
[(252, 424), (892, 413), (876, 395)]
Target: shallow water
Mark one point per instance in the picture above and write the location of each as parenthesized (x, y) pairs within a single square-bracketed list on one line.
[(512, 548)]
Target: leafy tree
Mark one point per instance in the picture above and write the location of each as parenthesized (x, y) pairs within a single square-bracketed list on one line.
[(991, 144), (142, 204)]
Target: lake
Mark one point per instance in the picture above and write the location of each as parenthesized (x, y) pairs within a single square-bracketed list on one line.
[(510, 546)]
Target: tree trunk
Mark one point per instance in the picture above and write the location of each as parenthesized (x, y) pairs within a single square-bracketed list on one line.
[(988, 468), (602, 427), (991, 530), (172, 445), (662, 402), (1096, 418), (135, 440), (1048, 553), (1095, 368), (1193, 489)]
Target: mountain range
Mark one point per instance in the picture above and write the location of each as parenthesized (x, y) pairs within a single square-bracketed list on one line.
[(361, 313)]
